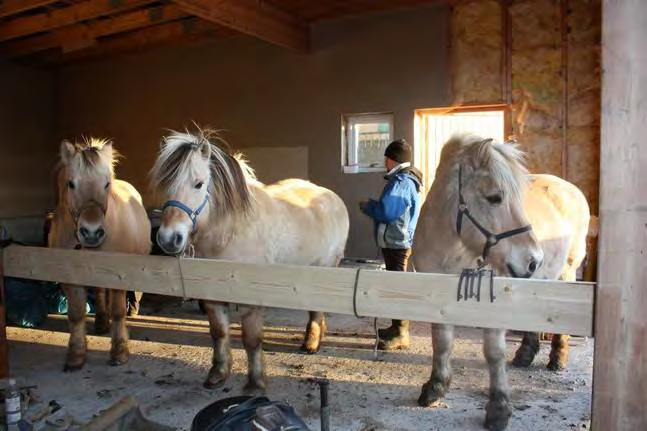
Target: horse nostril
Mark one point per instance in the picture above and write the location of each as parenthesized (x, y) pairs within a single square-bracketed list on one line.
[(100, 233), (178, 239), (84, 232), (533, 265)]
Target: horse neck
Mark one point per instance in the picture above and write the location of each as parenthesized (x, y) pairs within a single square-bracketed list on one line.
[(437, 246), (222, 228)]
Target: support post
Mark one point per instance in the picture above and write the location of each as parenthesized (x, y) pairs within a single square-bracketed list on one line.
[(4, 356), (620, 365)]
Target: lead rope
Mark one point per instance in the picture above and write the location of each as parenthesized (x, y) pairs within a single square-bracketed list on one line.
[(377, 334)]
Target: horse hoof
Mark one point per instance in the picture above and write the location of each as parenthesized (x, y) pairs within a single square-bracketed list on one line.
[(215, 379), (309, 349), (524, 357), (497, 414), (431, 394), (401, 342), (521, 361), (255, 388), (556, 366), (119, 355), (70, 368)]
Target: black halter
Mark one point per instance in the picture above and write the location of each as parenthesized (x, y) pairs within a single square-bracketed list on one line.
[(76, 215), (491, 239)]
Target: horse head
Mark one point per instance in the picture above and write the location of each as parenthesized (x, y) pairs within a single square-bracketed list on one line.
[(84, 182), (199, 180), (488, 180)]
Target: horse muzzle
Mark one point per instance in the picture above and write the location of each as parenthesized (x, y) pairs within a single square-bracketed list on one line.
[(171, 242), (91, 238)]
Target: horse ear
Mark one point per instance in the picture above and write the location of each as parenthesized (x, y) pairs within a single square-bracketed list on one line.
[(68, 150), (107, 150), (205, 149)]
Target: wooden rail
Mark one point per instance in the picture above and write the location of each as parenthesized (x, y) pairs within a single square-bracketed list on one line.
[(521, 304)]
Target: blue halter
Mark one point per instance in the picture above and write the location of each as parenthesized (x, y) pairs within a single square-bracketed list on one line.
[(193, 214)]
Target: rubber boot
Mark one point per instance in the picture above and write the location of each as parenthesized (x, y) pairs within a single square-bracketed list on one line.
[(396, 336)]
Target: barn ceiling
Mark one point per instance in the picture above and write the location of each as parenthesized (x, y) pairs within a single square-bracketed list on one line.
[(54, 31)]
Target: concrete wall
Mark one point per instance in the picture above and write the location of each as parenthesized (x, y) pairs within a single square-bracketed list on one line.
[(27, 152), (264, 96)]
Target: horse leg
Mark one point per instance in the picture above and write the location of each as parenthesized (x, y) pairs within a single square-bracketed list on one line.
[(101, 314), (77, 346), (252, 323), (498, 409), (119, 352), (218, 315), (558, 357), (315, 331), (527, 351), (442, 339)]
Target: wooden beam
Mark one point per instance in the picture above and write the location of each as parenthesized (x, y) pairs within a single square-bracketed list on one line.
[(72, 14), (189, 30), (620, 363), (255, 18), (14, 7), (83, 35), (531, 305)]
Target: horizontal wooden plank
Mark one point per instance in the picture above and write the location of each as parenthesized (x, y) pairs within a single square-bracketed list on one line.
[(85, 35), (521, 304), (72, 14), (155, 274), (13, 7), (258, 19)]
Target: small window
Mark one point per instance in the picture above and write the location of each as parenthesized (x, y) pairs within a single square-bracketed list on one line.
[(364, 139)]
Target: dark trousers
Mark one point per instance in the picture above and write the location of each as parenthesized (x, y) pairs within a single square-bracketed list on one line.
[(396, 260)]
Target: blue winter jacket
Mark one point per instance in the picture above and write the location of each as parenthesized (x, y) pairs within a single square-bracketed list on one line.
[(396, 213)]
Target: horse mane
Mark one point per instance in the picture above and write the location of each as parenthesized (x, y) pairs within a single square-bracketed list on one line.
[(91, 157), (230, 173), (504, 162)]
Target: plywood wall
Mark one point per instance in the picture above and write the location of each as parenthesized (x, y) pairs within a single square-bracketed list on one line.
[(549, 53), (27, 152)]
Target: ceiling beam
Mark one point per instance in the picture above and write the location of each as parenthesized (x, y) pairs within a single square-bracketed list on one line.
[(72, 14), (255, 18), (189, 30), (83, 35), (13, 7)]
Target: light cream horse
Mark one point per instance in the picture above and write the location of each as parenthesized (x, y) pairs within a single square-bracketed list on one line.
[(482, 192), (96, 211), (216, 205)]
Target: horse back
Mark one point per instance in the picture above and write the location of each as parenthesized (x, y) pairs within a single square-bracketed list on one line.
[(560, 216), (310, 222)]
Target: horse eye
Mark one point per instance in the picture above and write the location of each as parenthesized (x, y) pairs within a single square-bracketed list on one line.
[(199, 185), (107, 185), (70, 184), (495, 199)]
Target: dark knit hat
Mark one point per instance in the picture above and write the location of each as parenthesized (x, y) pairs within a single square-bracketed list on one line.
[(398, 150)]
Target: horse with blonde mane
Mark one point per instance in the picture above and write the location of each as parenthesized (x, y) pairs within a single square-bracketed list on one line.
[(484, 207), (96, 211), (216, 205)]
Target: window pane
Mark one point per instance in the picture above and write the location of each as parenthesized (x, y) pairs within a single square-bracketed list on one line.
[(372, 141)]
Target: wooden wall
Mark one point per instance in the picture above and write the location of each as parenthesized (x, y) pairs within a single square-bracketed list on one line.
[(542, 57)]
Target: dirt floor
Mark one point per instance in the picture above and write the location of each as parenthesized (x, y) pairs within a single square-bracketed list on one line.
[(171, 354)]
